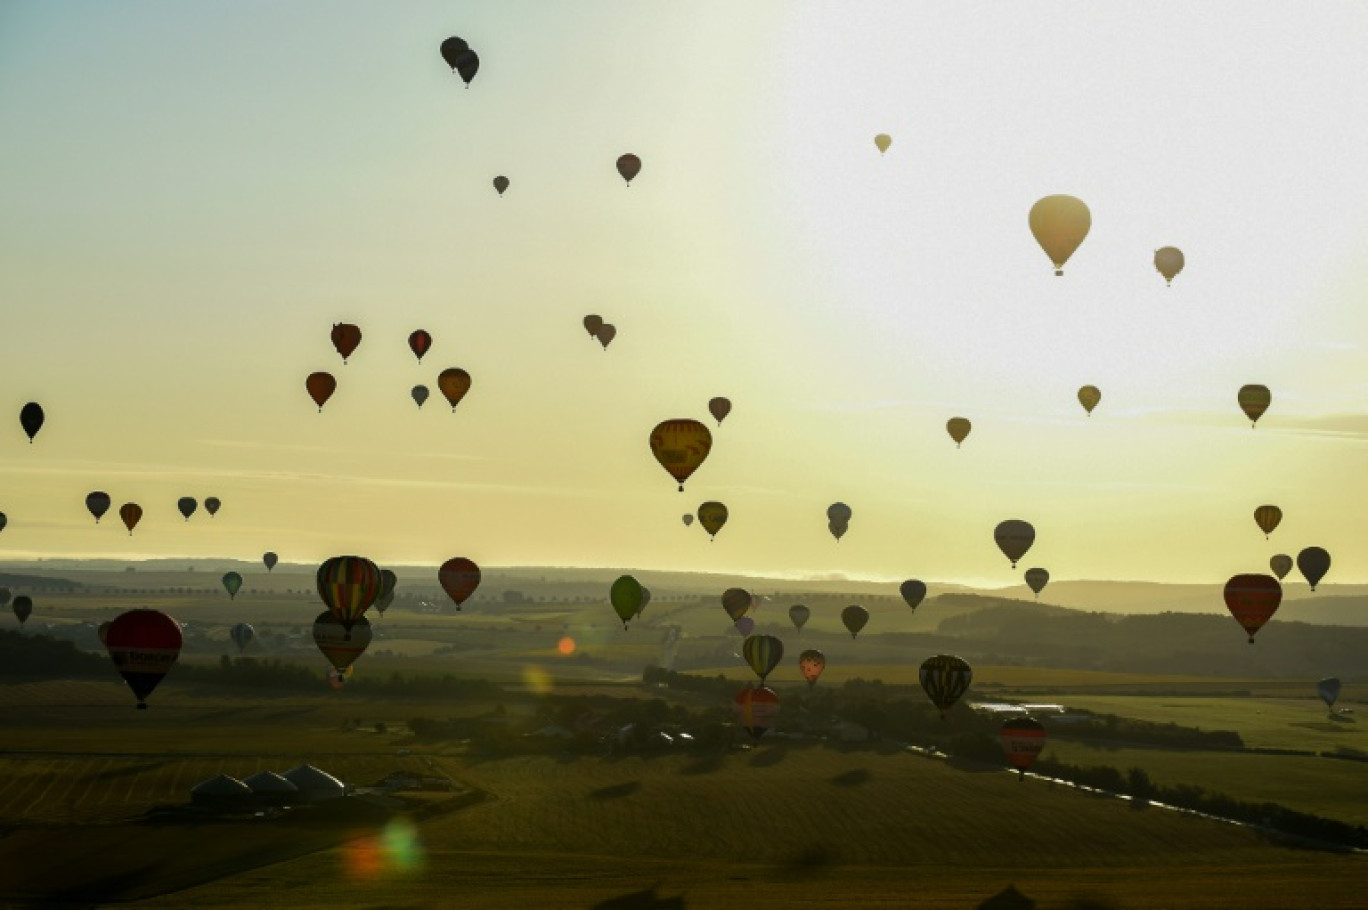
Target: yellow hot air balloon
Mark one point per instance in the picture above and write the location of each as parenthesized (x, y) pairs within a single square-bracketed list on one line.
[(1254, 400), (1059, 224), (1169, 262), (1089, 396), (712, 516), (883, 141), (1267, 517), (958, 428), (680, 446)]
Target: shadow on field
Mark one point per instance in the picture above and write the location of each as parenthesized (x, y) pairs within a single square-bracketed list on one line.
[(852, 778), (128, 770), (641, 900), (617, 791), (808, 861), (769, 758), (1008, 898), (706, 765)]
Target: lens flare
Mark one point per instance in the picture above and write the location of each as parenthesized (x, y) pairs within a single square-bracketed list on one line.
[(395, 850), (537, 679), (566, 646)]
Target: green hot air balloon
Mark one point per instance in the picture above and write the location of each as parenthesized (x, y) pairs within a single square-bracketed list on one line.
[(763, 653), (626, 596), (232, 582)]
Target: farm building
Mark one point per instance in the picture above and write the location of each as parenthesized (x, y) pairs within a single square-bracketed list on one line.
[(270, 789), (222, 792), (315, 786)]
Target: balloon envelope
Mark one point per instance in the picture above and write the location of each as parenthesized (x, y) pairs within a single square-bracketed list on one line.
[(453, 383), (799, 615), (98, 503), (763, 653), (242, 634), (1328, 689), (680, 446), (1169, 261), (452, 49), (688, 519), (745, 625), (1281, 565), (958, 428), (628, 166), (348, 585), (419, 394), (388, 581), (320, 387), (211, 505), (1059, 224), (837, 528), (912, 591), (131, 513), (1014, 537), (756, 709), (345, 338), (838, 512), (605, 334), (467, 65), (341, 644), (144, 645), (1267, 518), (944, 678), (854, 618), (1252, 600), (1089, 396), (1313, 563), (419, 341), (882, 142), (712, 516), (592, 323), (719, 408), (1036, 579), (31, 419), (187, 506), (459, 577), (736, 601), (1022, 739), (1254, 400), (232, 583), (22, 607), (269, 560), (811, 663), (626, 596), (501, 184)]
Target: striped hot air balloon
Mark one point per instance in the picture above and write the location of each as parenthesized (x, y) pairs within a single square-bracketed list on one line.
[(144, 645), (348, 585), (945, 678), (341, 645), (1022, 739), (1267, 518), (763, 653), (756, 708), (680, 446)]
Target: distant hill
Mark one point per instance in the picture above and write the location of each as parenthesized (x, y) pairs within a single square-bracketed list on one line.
[(18, 583)]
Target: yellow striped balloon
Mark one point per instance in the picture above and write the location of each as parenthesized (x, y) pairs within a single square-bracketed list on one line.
[(1267, 517), (348, 585), (763, 653)]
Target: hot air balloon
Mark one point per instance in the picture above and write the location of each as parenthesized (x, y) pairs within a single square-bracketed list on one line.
[(605, 334), (799, 614), (839, 512), (736, 601), (22, 607), (1089, 396), (345, 337), (1281, 565), (811, 663), (882, 142), (1059, 224), (501, 184), (1014, 537), (629, 166), (419, 341), (1254, 400), (837, 528), (348, 585), (945, 678), (320, 387), (1022, 739), (745, 626), (763, 653), (5, 596), (913, 591), (452, 49), (625, 595), (756, 709), (462, 60), (453, 383), (4, 520), (144, 645), (459, 577), (1169, 262), (1313, 563), (645, 601), (854, 618), (958, 428), (232, 583), (688, 519), (98, 503), (242, 635), (388, 581), (680, 445), (337, 679), (592, 323), (102, 631), (719, 408), (211, 505), (269, 560), (187, 506), (712, 516), (340, 645), (467, 65), (1037, 579), (1329, 689), (131, 513), (31, 419), (1267, 518), (419, 394), (1252, 600)]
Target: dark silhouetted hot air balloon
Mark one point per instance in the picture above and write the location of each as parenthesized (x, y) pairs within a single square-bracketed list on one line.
[(211, 505), (592, 323), (626, 596), (346, 337), (388, 582), (459, 577), (605, 334), (1022, 739), (419, 393), (1254, 400), (680, 446), (348, 585), (452, 49), (1328, 689), (31, 419), (187, 506), (453, 383), (1313, 563), (882, 142), (719, 408), (419, 341), (1281, 565), (912, 591), (1252, 600), (945, 678), (838, 519), (645, 600), (98, 503), (131, 513), (501, 184), (242, 635), (1059, 224), (736, 601), (341, 645), (756, 709), (688, 519), (1014, 537), (269, 559), (467, 65), (144, 645), (837, 529), (811, 663), (320, 387), (763, 653), (232, 583), (1169, 262), (958, 428), (854, 618), (462, 60), (1267, 518), (1089, 396), (22, 607), (745, 626), (5, 596), (629, 166), (799, 615), (4, 520), (1036, 580), (712, 516)]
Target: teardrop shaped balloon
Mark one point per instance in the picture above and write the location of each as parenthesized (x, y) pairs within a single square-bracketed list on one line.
[(628, 166), (958, 428), (744, 626), (1328, 689), (242, 635), (838, 512), (467, 65), (763, 653), (605, 334), (719, 408), (854, 618), (1037, 579), (320, 387), (592, 323), (837, 528), (501, 184), (1281, 565), (882, 142), (688, 519), (944, 678), (144, 645), (1089, 396), (22, 607), (4, 520), (269, 560), (211, 505), (1014, 537), (187, 506), (799, 615), (232, 583), (452, 49), (1252, 600), (341, 644), (419, 342), (31, 419), (736, 601), (625, 595), (1169, 261), (756, 709), (1059, 224), (680, 446), (1313, 563), (459, 577), (1254, 400), (712, 516), (348, 585), (97, 503), (419, 394), (811, 663), (645, 601), (1267, 518), (1023, 739), (388, 582), (913, 591), (346, 338), (131, 513), (453, 383)]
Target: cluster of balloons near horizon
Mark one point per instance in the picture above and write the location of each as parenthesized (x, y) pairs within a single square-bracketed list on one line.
[(452, 382), (98, 503), (1060, 223), (600, 331)]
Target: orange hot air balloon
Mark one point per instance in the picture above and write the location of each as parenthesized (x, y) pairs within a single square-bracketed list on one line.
[(320, 386), (680, 446), (812, 662), (144, 645), (419, 342), (958, 428), (1169, 261), (1254, 400), (756, 709), (719, 408), (592, 324), (1059, 224), (629, 166), (1252, 600), (1089, 396), (1267, 518), (131, 513), (1022, 739), (339, 644), (459, 577), (348, 585), (346, 337), (454, 383)]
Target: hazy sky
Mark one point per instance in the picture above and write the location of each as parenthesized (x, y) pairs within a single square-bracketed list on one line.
[(191, 194)]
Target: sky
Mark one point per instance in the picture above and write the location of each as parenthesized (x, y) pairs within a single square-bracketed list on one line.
[(192, 194)]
